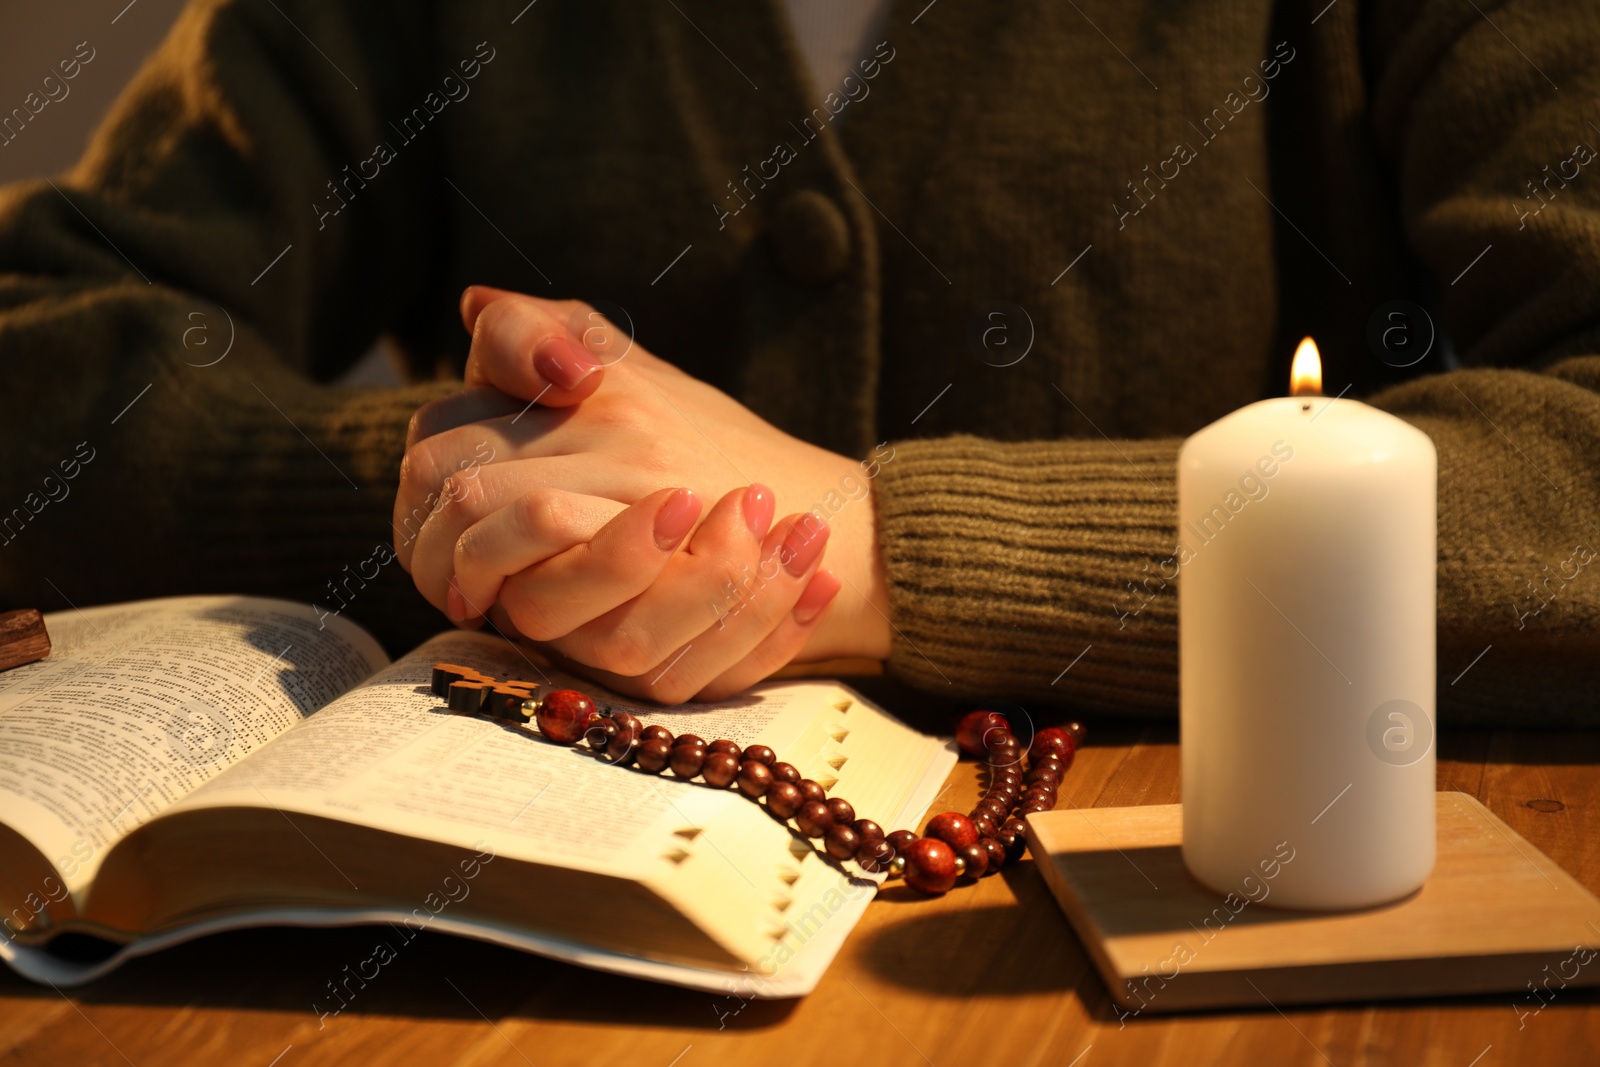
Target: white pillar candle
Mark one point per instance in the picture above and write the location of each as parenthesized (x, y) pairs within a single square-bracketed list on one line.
[(1306, 608)]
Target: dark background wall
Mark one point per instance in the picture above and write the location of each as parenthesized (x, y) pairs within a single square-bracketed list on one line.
[(35, 37)]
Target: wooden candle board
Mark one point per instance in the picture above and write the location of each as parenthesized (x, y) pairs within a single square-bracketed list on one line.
[(1497, 915)]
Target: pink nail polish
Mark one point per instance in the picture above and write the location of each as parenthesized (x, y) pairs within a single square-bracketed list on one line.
[(815, 600), (759, 504), (562, 363), (803, 545), (676, 518)]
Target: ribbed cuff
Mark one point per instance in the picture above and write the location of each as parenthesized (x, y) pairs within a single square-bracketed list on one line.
[(1010, 565)]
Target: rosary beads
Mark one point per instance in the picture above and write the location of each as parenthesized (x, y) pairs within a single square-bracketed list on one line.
[(955, 846)]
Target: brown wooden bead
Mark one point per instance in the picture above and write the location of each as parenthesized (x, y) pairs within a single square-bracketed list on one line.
[(975, 727), (814, 818), (627, 724), (754, 778), (784, 799), (719, 769), (993, 807), (688, 740), (652, 756), (760, 754), (1016, 844), (722, 744), (996, 851), (869, 830), (1047, 795), (785, 772), (975, 857), (999, 739), (900, 839), (1051, 766), (841, 810), (656, 732), (1076, 731), (953, 828), (983, 824), (599, 734), (812, 791), (1033, 807), (841, 841), (1044, 777), (874, 856), (621, 748), (1016, 827), (930, 866), (1051, 741), (686, 760)]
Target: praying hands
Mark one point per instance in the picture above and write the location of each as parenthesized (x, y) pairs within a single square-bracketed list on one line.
[(592, 498)]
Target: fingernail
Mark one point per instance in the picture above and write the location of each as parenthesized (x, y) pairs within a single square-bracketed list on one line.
[(758, 508), (562, 363), (815, 600), (455, 605), (676, 518), (803, 545)]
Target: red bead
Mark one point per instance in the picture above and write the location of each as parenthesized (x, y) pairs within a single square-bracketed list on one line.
[(722, 744), (975, 726), (869, 830), (652, 755), (760, 754), (811, 790), (841, 841), (621, 747), (976, 859), (656, 732), (686, 760), (784, 799), (1016, 827), (983, 824), (996, 851), (628, 724), (1051, 741), (900, 839), (785, 772), (719, 769), (683, 740), (842, 812), (953, 828), (814, 818), (754, 778), (1076, 731), (930, 866)]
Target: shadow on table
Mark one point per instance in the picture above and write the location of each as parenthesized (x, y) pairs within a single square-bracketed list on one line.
[(434, 976)]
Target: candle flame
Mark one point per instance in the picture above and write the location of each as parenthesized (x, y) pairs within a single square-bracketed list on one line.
[(1305, 376)]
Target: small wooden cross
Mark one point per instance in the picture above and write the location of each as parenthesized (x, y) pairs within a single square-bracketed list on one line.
[(23, 638), (469, 691)]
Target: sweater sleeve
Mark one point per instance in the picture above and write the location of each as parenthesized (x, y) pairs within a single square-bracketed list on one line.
[(172, 309), (1030, 571)]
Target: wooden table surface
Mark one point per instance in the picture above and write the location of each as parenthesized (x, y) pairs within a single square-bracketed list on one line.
[(989, 974)]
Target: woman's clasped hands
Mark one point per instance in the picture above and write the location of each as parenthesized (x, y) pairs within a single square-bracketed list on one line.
[(593, 499)]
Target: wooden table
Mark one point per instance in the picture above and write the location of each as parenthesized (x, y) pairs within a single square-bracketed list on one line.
[(986, 975)]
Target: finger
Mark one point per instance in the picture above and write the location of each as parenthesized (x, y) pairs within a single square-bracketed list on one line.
[(621, 561), (467, 499), (443, 471), (534, 527), (523, 347), (460, 409), (780, 646), (635, 635), (758, 612)]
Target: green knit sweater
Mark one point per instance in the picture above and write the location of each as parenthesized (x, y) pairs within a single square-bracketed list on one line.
[(1152, 201)]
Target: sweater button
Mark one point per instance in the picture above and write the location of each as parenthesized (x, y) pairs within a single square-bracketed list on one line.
[(810, 237)]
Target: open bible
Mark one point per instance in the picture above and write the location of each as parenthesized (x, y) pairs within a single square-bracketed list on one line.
[(182, 766)]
